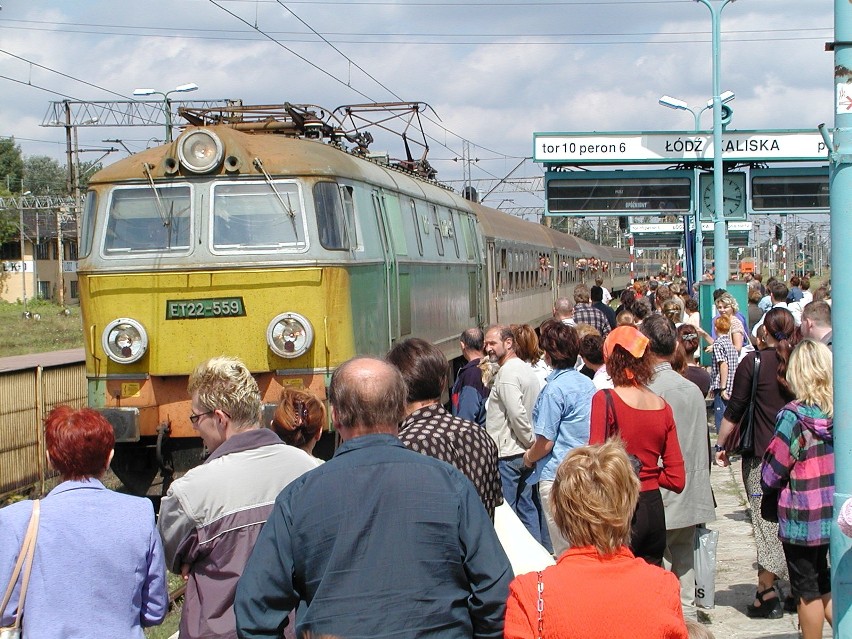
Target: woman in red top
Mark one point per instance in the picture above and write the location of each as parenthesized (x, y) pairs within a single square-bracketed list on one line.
[(597, 587), (645, 422)]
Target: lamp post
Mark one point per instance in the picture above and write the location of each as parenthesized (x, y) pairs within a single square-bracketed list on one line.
[(680, 105), (23, 244), (720, 231), (167, 107)]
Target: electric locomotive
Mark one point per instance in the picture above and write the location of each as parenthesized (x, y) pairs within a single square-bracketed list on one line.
[(272, 234)]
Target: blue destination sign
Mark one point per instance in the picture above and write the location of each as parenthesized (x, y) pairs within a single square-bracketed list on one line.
[(666, 146)]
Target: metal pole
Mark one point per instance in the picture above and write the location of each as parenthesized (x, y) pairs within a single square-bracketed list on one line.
[(840, 198), (720, 232), (60, 256), (23, 262), (168, 109)]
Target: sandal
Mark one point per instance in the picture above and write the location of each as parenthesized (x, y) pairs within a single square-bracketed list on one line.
[(769, 608)]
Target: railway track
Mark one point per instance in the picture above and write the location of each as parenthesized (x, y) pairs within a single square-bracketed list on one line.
[(176, 594)]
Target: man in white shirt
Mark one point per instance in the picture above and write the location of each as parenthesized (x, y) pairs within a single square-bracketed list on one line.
[(508, 419)]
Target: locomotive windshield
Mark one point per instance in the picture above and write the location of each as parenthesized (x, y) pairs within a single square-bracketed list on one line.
[(260, 216), (142, 219)]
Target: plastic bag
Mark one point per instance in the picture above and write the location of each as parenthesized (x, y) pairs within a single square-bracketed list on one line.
[(704, 548)]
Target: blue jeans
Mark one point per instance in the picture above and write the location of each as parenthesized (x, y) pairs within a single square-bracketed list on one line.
[(523, 497), (719, 407)]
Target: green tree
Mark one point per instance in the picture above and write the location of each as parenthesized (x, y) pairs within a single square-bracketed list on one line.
[(11, 165), (8, 219), (43, 175), (87, 170)]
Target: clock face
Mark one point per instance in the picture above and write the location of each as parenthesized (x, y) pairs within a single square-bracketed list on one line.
[(733, 195)]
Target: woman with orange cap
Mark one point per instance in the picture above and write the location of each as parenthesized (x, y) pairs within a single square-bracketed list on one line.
[(645, 422)]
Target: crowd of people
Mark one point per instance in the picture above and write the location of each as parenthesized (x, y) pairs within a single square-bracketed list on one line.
[(557, 491)]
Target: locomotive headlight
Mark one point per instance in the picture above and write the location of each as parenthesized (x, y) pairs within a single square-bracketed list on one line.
[(200, 151), (289, 335), (124, 340)]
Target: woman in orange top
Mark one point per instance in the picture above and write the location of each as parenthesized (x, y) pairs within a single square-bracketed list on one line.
[(645, 423), (597, 588)]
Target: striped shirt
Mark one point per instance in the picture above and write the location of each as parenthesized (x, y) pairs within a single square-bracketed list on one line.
[(800, 461)]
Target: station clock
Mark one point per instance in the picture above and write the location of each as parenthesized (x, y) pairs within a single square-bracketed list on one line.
[(733, 196)]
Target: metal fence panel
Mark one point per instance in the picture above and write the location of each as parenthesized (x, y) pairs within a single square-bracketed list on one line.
[(26, 396)]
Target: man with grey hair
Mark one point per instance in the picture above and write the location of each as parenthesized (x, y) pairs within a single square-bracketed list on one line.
[(379, 541), (563, 310), (693, 506), (210, 517)]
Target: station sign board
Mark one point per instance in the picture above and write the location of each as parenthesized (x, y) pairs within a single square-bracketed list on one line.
[(787, 190), (581, 193), (677, 227), (793, 145), (670, 235)]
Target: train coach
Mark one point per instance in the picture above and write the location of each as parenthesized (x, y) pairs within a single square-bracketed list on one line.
[(267, 238)]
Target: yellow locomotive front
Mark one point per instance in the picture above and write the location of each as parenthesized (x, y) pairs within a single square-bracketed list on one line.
[(207, 246)]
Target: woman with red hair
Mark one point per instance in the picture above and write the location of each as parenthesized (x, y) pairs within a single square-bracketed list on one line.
[(645, 422), (98, 566)]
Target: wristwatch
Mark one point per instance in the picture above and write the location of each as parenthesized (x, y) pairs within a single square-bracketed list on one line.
[(719, 449)]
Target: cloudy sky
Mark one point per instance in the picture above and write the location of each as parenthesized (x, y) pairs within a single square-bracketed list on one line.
[(494, 71)]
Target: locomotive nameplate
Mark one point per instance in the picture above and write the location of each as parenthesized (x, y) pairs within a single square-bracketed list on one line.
[(201, 309)]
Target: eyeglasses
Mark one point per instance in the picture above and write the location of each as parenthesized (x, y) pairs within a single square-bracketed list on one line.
[(194, 418)]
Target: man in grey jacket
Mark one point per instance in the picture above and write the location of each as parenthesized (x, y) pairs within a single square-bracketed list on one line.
[(695, 504), (211, 517)]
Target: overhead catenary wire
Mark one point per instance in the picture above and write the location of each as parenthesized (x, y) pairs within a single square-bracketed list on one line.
[(447, 38)]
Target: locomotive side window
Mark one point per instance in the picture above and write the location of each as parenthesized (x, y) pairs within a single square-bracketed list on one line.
[(468, 229), (451, 228), (436, 221), (257, 216), (346, 193), (330, 221), (141, 220), (416, 222), (87, 226)]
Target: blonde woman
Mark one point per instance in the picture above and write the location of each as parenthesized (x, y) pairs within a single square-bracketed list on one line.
[(597, 587), (799, 467), (727, 305)]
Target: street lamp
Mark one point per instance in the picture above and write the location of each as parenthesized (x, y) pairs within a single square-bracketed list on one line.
[(675, 103), (167, 107), (720, 231), (678, 104), (23, 263)]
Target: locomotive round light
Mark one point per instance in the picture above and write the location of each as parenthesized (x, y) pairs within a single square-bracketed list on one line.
[(289, 335), (124, 340), (200, 151)]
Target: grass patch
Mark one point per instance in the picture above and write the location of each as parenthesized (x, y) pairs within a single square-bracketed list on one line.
[(54, 331)]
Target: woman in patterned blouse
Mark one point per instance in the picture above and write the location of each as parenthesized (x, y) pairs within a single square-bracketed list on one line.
[(800, 463)]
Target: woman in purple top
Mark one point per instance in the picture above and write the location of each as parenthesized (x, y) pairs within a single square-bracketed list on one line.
[(98, 568), (799, 463)]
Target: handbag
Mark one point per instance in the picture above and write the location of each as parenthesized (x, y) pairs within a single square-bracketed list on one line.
[(741, 440), (25, 562), (612, 430)]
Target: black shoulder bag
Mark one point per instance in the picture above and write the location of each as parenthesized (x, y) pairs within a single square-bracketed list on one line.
[(741, 440)]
